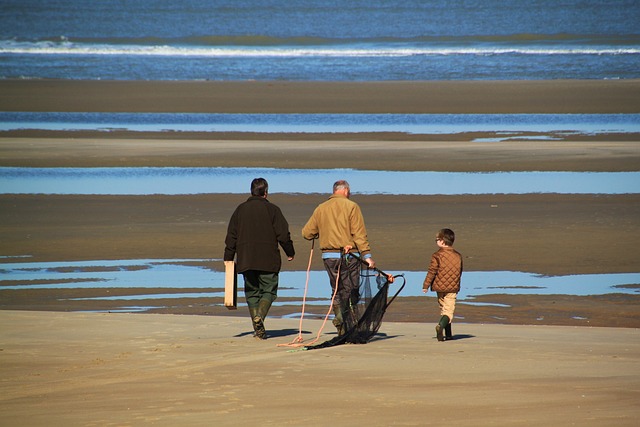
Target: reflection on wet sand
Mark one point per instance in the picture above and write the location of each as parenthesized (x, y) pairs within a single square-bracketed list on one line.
[(142, 285)]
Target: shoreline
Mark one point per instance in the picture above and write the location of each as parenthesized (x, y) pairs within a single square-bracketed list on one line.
[(614, 310)]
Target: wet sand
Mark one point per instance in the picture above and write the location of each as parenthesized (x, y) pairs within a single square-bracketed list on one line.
[(157, 369), (495, 232), (456, 97), (372, 151), (538, 233)]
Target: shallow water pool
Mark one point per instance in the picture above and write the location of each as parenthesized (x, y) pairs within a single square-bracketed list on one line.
[(207, 275), (175, 180)]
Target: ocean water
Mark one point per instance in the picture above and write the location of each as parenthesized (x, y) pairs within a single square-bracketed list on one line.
[(176, 180), (520, 126), (348, 40)]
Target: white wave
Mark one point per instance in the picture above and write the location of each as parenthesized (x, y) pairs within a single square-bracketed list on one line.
[(68, 48)]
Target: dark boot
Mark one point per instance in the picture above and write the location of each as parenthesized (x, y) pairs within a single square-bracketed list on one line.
[(261, 314), (258, 327), (256, 320), (253, 311), (444, 321), (447, 332), (338, 321), (263, 308)]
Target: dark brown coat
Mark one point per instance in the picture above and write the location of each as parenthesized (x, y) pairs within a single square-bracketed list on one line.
[(254, 232)]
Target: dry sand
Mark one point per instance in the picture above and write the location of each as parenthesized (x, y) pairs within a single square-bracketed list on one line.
[(120, 369), (75, 369)]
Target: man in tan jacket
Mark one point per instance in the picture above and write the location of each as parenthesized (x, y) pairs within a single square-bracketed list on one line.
[(339, 226)]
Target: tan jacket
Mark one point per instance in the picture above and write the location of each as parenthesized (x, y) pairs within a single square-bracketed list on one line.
[(338, 222), (445, 271)]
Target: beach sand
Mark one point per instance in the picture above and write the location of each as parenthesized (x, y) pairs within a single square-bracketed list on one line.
[(131, 369), (89, 369)]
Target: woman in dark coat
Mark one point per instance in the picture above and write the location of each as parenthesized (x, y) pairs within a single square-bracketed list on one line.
[(255, 230)]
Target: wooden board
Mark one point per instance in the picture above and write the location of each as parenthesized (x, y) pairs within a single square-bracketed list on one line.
[(230, 285)]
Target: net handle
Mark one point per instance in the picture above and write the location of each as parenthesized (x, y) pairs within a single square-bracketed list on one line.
[(390, 278), (376, 269)]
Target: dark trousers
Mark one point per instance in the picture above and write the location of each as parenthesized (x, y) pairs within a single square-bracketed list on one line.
[(260, 285), (349, 282)]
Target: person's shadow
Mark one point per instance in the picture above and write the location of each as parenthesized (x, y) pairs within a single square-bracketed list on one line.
[(380, 336), (458, 337), (276, 333)]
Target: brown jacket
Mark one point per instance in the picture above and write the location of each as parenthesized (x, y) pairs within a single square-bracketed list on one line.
[(445, 271), (338, 222)]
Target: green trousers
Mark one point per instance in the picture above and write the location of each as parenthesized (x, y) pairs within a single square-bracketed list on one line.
[(260, 286)]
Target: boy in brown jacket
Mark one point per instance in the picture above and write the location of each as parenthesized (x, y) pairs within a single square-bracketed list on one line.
[(443, 277)]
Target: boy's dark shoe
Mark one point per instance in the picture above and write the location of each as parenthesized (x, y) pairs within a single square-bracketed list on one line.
[(447, 332), (440, 327)]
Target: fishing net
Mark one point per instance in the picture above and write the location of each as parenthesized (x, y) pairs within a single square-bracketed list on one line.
[(362, 313)]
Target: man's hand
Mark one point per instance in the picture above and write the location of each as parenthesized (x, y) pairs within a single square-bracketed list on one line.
[(290, 258), (371, 262)]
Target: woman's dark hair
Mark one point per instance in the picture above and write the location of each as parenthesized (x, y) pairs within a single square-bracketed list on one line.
[(259, 187)]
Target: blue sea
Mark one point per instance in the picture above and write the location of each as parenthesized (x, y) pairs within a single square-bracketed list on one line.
[(322, 40)]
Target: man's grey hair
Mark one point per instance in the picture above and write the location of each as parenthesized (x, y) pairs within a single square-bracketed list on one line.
[(340, 185)]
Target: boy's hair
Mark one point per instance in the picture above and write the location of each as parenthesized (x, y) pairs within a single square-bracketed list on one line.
[(447, 235), (259, 187)]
